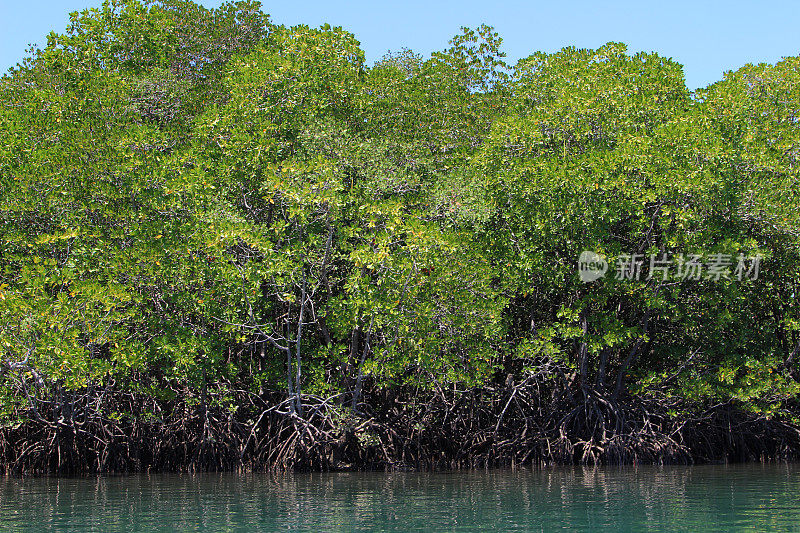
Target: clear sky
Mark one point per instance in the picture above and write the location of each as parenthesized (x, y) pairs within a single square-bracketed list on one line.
[(707, 37)]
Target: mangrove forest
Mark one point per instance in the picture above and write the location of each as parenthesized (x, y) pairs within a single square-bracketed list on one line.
[(230, 244)]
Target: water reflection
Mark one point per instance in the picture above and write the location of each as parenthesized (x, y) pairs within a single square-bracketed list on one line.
[(744, 497)]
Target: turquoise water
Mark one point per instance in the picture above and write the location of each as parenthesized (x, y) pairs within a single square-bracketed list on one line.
[(700, 498)]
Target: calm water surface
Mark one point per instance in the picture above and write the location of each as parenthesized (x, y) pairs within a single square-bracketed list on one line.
[(700, 498)]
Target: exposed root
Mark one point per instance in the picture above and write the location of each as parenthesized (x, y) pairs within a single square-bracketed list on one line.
[(486, 427)]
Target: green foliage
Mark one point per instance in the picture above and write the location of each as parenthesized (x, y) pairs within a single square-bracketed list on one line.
[(194, 197)]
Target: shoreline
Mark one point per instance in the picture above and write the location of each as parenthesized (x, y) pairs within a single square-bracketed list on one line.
[(456, 433)]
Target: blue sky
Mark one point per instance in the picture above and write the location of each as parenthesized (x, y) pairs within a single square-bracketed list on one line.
[(707, 37)]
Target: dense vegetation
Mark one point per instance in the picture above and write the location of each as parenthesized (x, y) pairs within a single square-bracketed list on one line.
[(227, 243)]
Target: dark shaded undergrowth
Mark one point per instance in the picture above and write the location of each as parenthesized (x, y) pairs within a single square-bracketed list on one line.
[(507, 425)]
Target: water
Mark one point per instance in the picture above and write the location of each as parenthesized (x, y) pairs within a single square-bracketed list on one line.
[(700, 498)]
